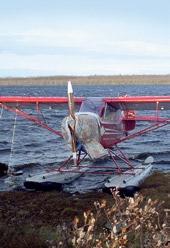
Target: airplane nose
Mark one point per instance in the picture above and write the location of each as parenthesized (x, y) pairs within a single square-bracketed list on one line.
[(87, 128), (87, 132), (66, 122)]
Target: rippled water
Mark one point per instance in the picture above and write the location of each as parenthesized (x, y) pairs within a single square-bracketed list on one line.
[(37, 148)]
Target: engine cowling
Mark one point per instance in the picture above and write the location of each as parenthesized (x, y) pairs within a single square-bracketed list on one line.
[(88, 132)]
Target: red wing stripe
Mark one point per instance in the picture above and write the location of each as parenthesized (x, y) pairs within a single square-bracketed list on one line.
[(125, 99), (137, 99), (32, 99), (140, 102)]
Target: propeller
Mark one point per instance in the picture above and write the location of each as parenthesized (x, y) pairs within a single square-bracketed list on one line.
[(72, 115)]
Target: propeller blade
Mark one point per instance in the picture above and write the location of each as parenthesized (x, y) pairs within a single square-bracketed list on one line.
[(73, 144), (72, 114), (70, 100)]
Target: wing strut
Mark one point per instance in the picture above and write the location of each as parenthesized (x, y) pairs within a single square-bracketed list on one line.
[(143, 131), (31, 118), (10, 165)]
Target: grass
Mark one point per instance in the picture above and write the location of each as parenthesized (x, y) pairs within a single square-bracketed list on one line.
[(91, 80), (38, 219), (157, 186)]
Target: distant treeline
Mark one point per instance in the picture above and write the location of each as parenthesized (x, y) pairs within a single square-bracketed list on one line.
[(102, 80)]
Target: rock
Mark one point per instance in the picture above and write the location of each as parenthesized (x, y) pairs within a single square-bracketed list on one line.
[(3, 169)]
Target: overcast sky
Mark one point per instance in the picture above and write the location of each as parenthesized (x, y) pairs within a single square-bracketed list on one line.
[(84, 37)]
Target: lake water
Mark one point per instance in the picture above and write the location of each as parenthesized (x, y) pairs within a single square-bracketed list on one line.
[(36, 148)]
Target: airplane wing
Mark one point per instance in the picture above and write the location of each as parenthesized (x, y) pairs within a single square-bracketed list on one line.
[(41, 100), (129, 104), (19, 104), (154, 109), (140, 102)]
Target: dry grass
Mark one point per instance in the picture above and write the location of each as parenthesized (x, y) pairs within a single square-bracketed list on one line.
[(131, 222), (56, 219), (91, 80)]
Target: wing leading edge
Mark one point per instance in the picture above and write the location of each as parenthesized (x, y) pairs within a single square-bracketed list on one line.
[(140, 102), (33, 99), (124, 103)]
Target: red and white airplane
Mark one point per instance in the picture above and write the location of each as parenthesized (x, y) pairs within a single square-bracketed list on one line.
[(94, 131)]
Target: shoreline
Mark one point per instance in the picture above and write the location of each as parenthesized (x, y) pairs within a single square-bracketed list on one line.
[(38, 215), (87, 80)]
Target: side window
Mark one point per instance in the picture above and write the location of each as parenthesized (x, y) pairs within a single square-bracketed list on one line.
[(110, 113)]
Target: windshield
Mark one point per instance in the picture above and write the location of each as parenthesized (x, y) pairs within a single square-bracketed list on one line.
[(93, 104)]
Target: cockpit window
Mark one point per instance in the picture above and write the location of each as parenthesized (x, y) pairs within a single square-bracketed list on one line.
[(94, 105), (112, 113)]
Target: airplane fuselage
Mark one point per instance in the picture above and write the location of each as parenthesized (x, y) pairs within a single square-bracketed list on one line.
[(97, 126), (113, 122)]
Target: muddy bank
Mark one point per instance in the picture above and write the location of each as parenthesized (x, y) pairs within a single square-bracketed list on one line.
[(49, 207), (35, 215)]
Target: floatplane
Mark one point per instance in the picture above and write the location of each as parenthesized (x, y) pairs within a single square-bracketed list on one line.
[(94, 132)]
